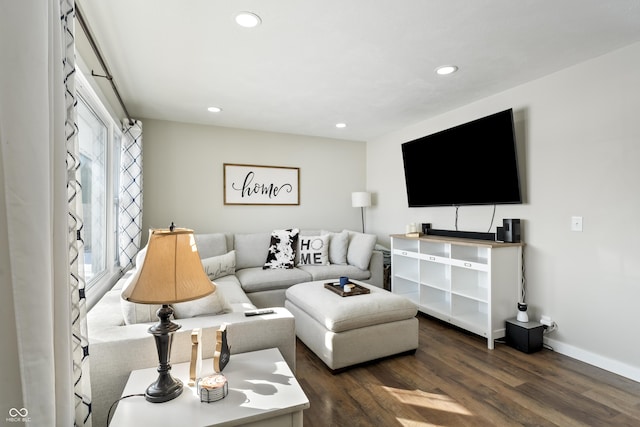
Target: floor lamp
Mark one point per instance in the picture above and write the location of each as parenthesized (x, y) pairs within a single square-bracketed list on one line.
[(361, 199)]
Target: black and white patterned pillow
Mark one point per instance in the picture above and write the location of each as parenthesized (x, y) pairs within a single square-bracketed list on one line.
[(282, 250)]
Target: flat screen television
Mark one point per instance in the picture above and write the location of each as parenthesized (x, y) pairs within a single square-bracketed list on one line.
[(475, 163)]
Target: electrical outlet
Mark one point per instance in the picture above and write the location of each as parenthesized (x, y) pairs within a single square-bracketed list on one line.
[(546, 320)]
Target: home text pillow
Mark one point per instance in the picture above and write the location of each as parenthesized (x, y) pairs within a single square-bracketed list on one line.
[(282, 250), (314, 250), (360, 249), (214, 303), (220, 266), (338, 245)]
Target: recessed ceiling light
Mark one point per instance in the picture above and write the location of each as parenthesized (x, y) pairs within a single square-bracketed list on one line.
[(248, 19), (341, 125), (214, 109), (446, 69)]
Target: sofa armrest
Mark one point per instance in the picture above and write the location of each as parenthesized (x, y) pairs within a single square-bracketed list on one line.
[(376, 267)]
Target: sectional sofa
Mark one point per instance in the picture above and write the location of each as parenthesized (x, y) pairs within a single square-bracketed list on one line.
[(120, 343)]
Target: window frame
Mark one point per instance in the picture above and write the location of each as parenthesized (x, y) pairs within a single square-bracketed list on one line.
[(105, 281)]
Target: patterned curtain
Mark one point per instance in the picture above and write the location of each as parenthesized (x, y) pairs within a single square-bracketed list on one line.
[(79, 336), (130, 219)]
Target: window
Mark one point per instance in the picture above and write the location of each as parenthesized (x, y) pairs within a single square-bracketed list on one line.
[(99, 138), (93, 134)]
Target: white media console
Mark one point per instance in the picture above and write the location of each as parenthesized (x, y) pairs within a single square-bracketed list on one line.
[(472, 284)]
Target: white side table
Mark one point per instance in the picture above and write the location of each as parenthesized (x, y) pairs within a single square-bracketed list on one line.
[(262, 392)]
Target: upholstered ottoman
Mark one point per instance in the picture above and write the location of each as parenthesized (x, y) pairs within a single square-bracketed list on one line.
[(344, 331)]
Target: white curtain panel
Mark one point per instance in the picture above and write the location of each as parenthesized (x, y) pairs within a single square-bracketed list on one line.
[(79, 335), (34, 211), (130, 219)]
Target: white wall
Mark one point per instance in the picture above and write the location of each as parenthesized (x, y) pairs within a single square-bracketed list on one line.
[(580, 129), (183, 178)]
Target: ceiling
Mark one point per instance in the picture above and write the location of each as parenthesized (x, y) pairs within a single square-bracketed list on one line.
[(312, 64)]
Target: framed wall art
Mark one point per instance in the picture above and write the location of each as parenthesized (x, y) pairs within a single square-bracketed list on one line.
[(261, 185)]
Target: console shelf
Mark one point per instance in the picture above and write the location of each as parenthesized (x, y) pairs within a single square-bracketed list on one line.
[(472, 284)]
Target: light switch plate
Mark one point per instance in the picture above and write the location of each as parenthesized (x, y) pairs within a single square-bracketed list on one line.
[(576, 223)]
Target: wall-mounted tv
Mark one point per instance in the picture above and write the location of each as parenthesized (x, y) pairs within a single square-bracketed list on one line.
[(475, 163)]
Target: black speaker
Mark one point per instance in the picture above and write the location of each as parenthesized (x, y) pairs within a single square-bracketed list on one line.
[(511, 230), (526, 337), (500, 234)]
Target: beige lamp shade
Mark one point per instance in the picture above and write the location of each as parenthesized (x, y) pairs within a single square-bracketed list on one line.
[(360, 199), (171, 272)]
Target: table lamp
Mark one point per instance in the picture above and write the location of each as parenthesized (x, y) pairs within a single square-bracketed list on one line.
[(361, 199), (171, 272)]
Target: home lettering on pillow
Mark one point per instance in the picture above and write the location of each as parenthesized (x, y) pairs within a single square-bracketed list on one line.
[(314, 250)]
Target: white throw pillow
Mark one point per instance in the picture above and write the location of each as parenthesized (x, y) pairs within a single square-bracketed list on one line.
[(140, 256), (214, 303), (133, 312), (338, 245), (314, 250), (220, 266), (360, 249)]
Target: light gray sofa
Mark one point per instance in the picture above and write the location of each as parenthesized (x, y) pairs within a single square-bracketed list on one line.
[(119, 341), (350, 254)]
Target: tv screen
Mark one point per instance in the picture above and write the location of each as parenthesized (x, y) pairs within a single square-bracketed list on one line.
[(471, 164)]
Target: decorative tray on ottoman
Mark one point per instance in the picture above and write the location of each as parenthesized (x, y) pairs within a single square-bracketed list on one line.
[(355, 290)]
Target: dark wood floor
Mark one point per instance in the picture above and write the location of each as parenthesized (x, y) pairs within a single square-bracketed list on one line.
[(454, 380)]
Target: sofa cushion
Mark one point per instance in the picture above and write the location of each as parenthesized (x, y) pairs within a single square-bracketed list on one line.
[(214, 303), (256, 279), (360, 249), (282, 249), (334, 271), (251, 249), (338, 244), (313, 250), (210, 245), (220, 266)]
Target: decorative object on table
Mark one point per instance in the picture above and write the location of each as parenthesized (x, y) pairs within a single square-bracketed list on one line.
[(344, 280), (213, 388), (354, 289), (196, 356), (522, 313), (172, 272), (222, 354), (411, 230), (261, 185), (361, 199)]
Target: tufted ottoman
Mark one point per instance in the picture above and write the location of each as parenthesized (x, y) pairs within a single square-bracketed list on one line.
[(344, 331)]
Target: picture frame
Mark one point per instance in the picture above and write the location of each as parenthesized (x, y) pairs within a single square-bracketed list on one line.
[(261, 185)]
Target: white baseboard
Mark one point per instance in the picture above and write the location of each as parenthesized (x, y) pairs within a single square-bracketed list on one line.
[(628, 371)]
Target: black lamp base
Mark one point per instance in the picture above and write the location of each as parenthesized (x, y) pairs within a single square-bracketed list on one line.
[(166, 387)]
